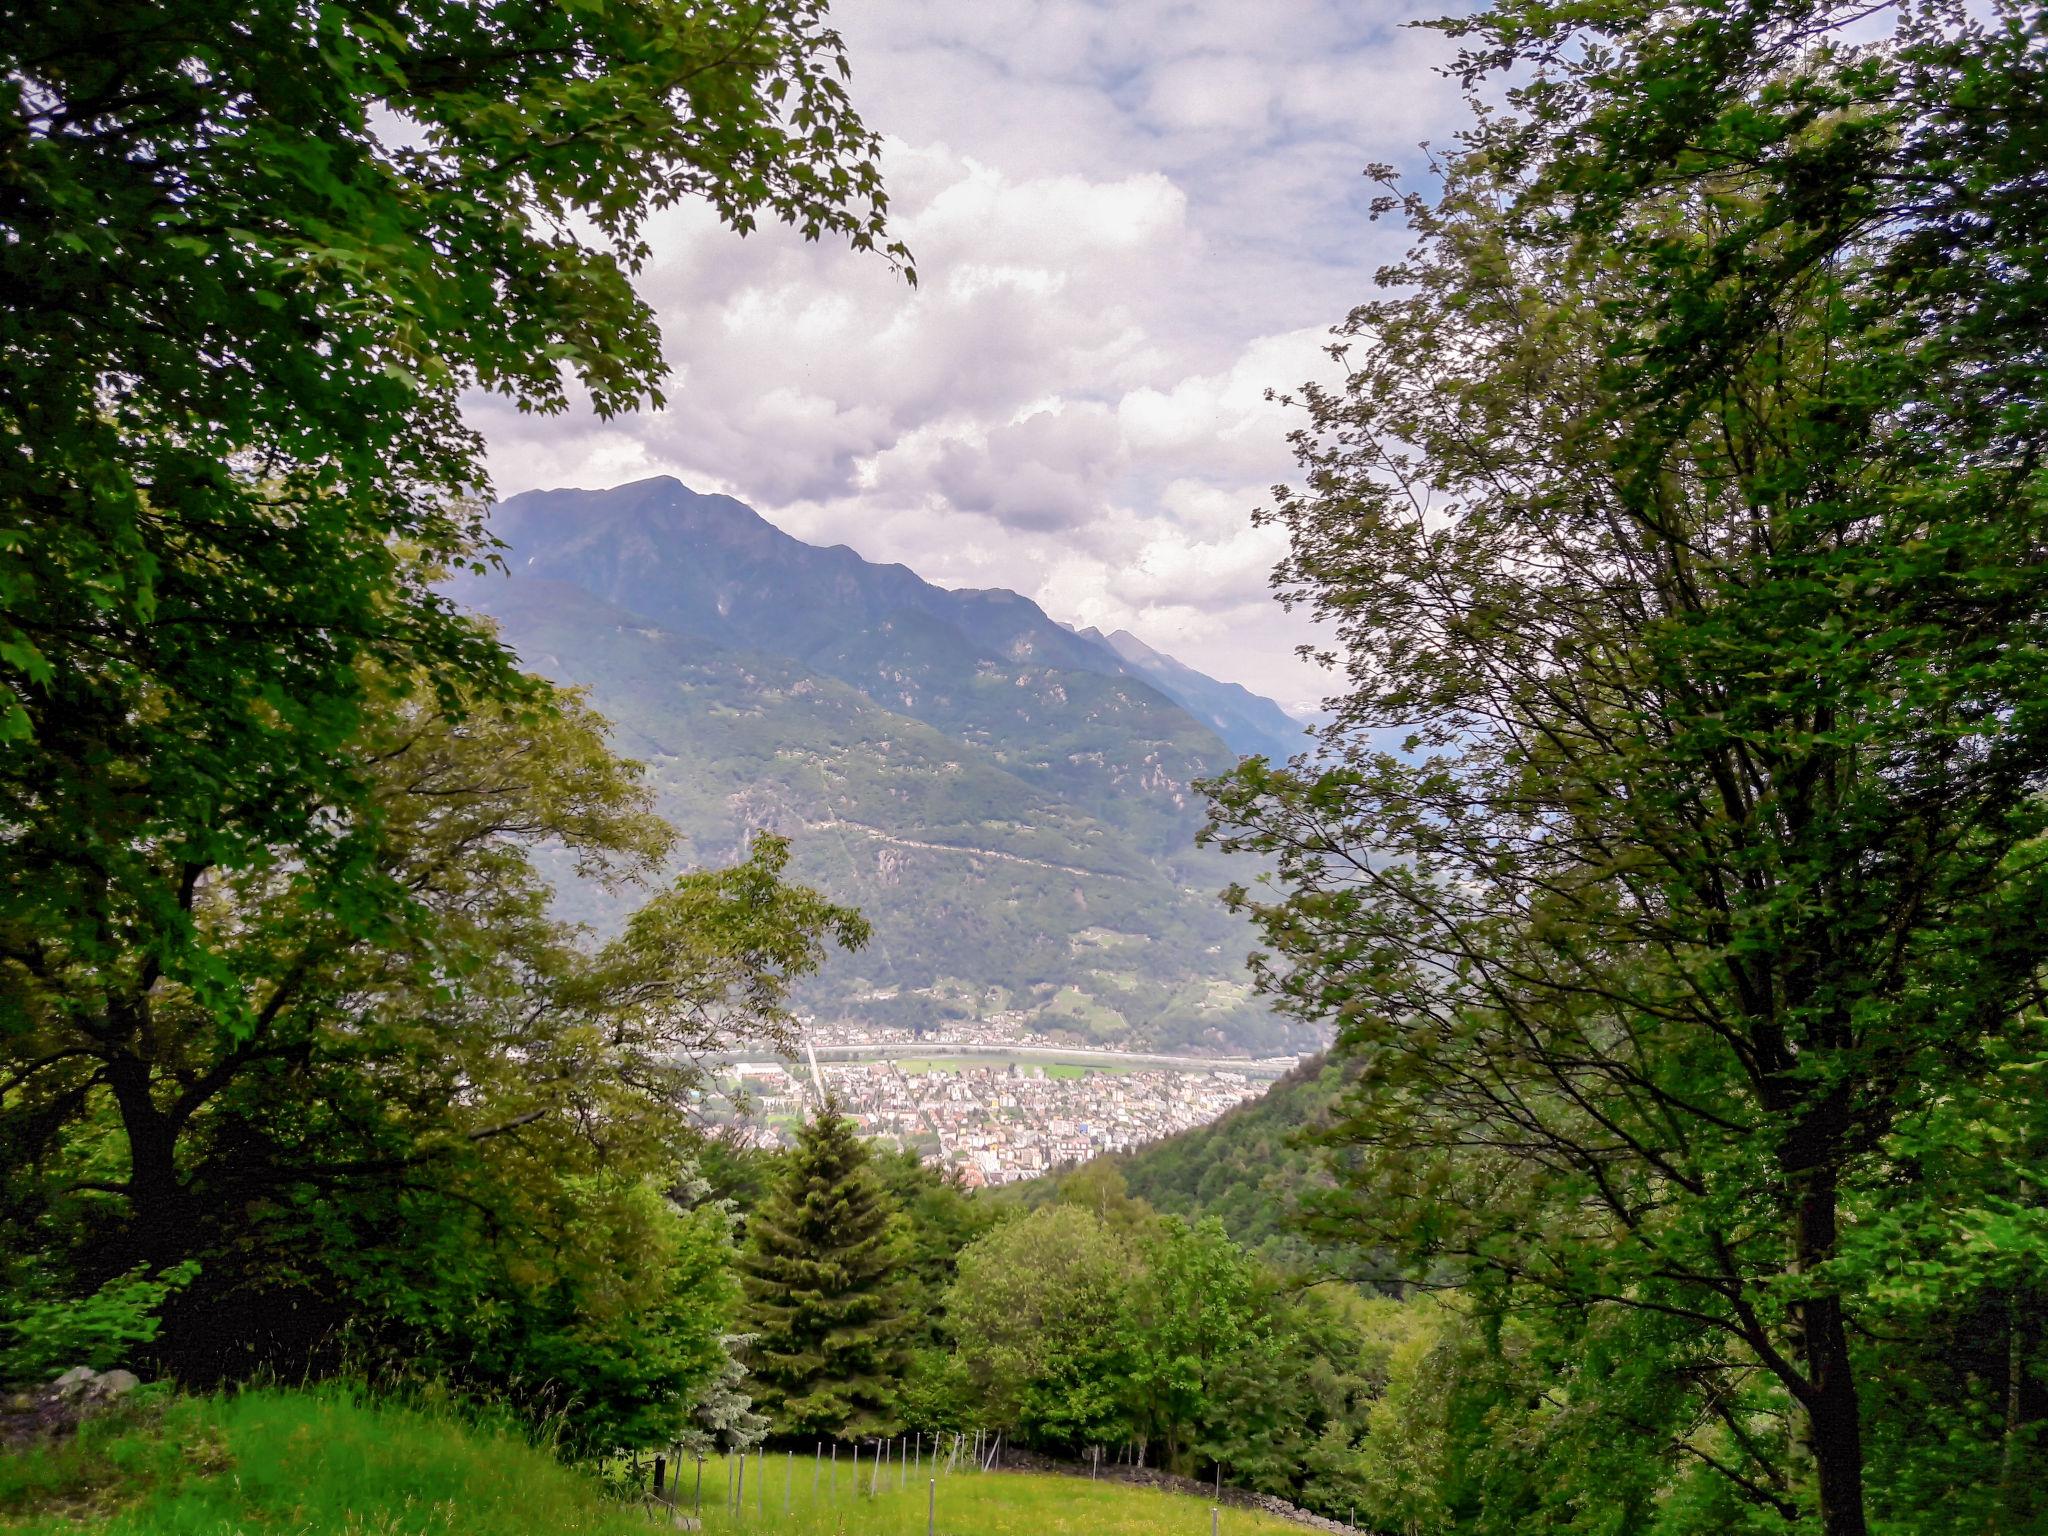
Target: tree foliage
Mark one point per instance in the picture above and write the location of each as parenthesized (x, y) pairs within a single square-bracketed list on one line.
[(824, 1278), (1037, 1313), (1090, 1321), (449, 1141), (253, 258), (1683, 498)]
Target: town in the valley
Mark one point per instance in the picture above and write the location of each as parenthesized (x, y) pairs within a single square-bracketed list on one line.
[(992, 1104)]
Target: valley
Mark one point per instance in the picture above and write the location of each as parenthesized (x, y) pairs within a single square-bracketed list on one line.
[(987, 1106), (1011, 803)]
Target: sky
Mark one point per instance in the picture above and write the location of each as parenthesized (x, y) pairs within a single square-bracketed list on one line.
[(1130, 219)]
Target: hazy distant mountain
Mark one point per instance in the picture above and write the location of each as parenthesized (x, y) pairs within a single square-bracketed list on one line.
[(1249, 723), (1007, 800), (710, 564)]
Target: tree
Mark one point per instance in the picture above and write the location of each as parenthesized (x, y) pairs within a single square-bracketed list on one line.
[(1193, 1316), (940, 1219), (1036, 1317), (251, 262), (722, 1419), (824, 1289), (1684, 504), (450, 1141)]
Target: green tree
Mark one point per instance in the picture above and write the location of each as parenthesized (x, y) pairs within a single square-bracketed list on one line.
[(251, 262), (1036, 1316), (823, 1273), (940, 1218), (1192, 1318), (1683, 501), (449, 1142)]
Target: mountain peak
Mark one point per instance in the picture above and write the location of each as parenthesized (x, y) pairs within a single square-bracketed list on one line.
[(708, 565), (1010, 801)]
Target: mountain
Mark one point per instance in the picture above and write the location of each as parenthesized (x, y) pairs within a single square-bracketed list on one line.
[(1253, 726), (1251, 1168), (1007, 800), (710, 564)]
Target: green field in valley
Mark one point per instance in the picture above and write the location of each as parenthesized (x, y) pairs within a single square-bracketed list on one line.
[(801, 1499)]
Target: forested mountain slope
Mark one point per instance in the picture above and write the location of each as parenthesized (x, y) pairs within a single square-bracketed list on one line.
[(1251, 1168), (1008, 802)]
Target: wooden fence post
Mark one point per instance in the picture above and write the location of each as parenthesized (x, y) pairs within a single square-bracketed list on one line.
[(931, 1508)]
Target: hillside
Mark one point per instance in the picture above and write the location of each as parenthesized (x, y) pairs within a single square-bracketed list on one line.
[(1250, 1168), (328, 1462), (312, 1462), (1008, 801)]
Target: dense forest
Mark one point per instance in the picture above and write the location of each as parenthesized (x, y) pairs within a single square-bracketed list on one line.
[(1254, 1169), (1680, 509), (1069, 1317)]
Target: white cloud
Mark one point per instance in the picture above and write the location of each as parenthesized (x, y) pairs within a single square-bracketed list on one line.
[(1131, 218)]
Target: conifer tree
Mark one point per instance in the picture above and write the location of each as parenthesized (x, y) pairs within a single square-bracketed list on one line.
[(824, 1289)]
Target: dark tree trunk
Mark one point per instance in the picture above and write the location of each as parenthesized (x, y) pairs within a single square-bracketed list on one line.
[(159, 1226), (1834, 1417)]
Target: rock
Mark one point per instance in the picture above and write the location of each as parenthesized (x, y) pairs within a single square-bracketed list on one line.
[(58, 1409), (75, 1383)]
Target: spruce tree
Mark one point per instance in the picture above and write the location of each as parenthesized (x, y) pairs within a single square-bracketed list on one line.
[(824, 1289)]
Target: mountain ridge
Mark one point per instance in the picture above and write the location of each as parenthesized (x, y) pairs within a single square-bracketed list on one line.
[(634, 518), (1009, 801)]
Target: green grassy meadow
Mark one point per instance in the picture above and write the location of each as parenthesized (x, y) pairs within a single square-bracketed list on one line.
[(308, 1463), (332, 1462), (967, 1503)]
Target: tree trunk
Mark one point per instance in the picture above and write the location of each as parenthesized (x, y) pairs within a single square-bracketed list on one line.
[(1834, 1418), (156, 1196)]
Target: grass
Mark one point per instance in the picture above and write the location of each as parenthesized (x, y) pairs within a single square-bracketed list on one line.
[(304, 1463), (331, 1462), (967, 1504)]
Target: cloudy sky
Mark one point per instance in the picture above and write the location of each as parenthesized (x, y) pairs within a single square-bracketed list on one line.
[(1130, 217)]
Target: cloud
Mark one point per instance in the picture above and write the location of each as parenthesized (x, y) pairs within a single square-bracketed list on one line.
[(1131, 219)]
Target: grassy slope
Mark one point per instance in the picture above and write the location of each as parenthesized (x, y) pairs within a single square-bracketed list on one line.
[(327, 1461), (305, 1463), (967, 1504)]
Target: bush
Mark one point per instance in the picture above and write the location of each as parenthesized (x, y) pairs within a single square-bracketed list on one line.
[(41, 1339)]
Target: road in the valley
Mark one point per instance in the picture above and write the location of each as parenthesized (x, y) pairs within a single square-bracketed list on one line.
[(1267, 1067)]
